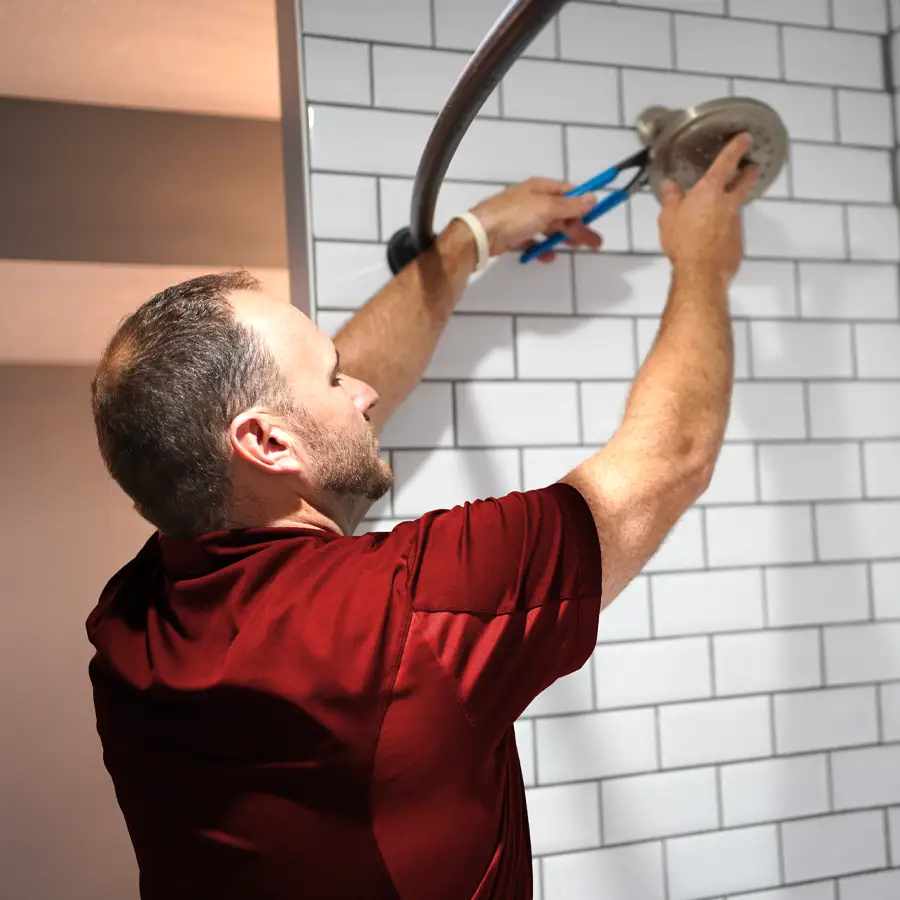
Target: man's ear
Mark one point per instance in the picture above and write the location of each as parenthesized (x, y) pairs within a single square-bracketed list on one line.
[(259, 438)]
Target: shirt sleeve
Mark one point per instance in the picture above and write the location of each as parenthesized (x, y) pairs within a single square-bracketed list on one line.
[(507, 594)]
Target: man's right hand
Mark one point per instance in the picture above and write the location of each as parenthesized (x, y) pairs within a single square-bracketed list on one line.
[(701, 232)]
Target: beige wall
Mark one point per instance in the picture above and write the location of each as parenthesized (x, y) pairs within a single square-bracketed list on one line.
[(65, 527)]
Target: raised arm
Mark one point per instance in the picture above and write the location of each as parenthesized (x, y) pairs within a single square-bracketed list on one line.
[(390, 341), (662, 457)]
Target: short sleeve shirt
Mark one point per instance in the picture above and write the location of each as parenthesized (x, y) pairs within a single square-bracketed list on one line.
[(287, 713)]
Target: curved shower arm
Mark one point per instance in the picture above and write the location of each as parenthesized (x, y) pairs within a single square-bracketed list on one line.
[(516, 28)]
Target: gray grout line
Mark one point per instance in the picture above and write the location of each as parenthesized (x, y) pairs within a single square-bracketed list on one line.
[(862, 471), (620, 95), (704, 537), (831, 14), (887, 64), (829, 781), (371, 60), (772, 756), (798, 289), (454, 402), (590, 449), (814, 531), (720, 800), (772, 320), (836, 108), (779, 843), (433, 11), (764, 590), (773, 731), (539, 865), (521, 469), (657, 732), (805, 26), (378, 210), (515, 347), (807, 412), (673, 39), (879, 710), (594, 125), (823, 669), (665, 839), (600, 812), (664, 866), (751, 369), (848, 244), (651, 616), (887, 838), (654, 254), (782, 56), (660, 70), (729, 698), (759, 382), (579, 410), (870, 589)]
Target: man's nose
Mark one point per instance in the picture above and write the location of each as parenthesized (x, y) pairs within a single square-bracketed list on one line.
[(364, 395)]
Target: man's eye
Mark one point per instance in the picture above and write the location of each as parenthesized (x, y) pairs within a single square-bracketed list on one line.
[(337, 379)]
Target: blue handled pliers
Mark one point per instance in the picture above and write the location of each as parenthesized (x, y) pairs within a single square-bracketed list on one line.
[(640, 160)]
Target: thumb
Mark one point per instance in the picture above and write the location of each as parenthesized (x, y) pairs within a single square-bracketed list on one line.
[(671, 193)]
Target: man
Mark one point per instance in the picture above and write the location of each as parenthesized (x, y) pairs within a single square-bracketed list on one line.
[(288, 711)]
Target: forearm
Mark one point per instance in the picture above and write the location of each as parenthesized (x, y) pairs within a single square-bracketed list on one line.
[(680, 401), (391, 340)]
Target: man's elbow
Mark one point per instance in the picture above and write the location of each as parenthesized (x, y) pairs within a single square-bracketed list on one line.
[(697, 469)]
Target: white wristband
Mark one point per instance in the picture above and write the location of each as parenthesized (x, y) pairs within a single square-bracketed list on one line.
[(481, 239)]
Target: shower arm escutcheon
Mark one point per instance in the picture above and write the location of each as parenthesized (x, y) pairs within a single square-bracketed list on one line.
[(511, 34)]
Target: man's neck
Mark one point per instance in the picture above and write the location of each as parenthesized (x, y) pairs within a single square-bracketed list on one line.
[(309, 517)]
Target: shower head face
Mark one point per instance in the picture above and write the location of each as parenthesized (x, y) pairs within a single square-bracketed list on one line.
[(690, 140)]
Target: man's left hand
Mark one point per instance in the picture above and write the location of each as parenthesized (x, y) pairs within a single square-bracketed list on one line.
[(537, 206)]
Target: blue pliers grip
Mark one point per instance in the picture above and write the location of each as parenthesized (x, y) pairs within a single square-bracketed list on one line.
[(610, 202)]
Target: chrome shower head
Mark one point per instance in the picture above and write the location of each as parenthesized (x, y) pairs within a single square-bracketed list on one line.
[(684, 143)]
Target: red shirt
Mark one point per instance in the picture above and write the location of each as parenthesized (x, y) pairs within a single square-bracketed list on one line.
[(286, 713)]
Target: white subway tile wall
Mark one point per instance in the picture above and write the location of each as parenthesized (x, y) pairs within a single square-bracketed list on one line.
[(774, 789), (834, 845), (736, 733), (803, 12), (648, 806), (436, 73)]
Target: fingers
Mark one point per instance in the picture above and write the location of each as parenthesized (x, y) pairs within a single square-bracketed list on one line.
[(550, 186), (720, 172), (547, 257), (565, 208), (744, 184), (579, 235)]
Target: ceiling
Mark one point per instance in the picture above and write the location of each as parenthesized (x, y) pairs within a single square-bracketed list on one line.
[(206, 56)]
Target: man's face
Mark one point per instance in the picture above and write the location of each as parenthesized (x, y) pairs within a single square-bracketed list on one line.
[(331, 422)]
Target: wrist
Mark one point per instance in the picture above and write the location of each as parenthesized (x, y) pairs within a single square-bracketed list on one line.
[(695, 272), (457, 244), (473, 221)]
